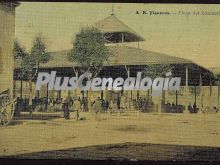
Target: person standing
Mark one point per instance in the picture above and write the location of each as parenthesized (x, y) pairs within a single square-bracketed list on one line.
[(66, 108), (115, 106), (86, 104), (78, 107), (97, 108)]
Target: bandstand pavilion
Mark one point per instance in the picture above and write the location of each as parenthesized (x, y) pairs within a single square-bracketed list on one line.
[(126, 61)]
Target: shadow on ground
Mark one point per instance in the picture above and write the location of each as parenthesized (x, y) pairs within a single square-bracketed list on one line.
[(24, 117), (130, 151), (40, 116)]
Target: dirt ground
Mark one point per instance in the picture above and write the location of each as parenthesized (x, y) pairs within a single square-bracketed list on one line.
[(129, 136)]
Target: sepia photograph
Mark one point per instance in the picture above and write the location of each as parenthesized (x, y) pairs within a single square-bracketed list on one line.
[(109, 81)]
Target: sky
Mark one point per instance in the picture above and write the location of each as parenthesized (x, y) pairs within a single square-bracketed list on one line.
[(194, 37)]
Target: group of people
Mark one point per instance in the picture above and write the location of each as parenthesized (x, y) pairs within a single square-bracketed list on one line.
[(76, 105), (81, 105), (141, 104), (117, 104), (193, 109), (172, 108), (22, 104)]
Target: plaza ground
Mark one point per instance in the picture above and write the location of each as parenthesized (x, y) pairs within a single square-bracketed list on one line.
[(129, 136)]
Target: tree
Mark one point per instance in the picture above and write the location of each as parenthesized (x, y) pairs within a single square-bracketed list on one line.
[(89, 51), (19, 54), (18, 51), (30, 64)]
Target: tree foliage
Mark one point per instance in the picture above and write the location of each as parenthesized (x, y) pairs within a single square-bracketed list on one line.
[(38, 54), (89, 50), (38, 51), (157, 70), (18, 51)]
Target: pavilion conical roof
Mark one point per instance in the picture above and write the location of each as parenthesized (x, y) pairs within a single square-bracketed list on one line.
[(112, 26)]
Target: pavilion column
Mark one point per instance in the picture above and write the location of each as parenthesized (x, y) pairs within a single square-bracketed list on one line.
[(75, 93), (69, 93), (176, 98), (138, 94), (218, 95), (37, 94), (148, 96), (163, 100), (47, 92), (195, 94), (127, 95), (21, 85), (128, 99), (201, 88), (82, 92), (102, 94), (122, 37), (59, 94), (186, 88), (47, 95), (210, 100), (107, 96), (187, 76)]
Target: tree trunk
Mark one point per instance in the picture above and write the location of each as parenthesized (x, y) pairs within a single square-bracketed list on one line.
[(30, 95), (195, 94), (47, 98), (138, 94), (14, 88), (151, 98), (21, 88), (218, 96), (176, 98), (90, 100), (163, 97)]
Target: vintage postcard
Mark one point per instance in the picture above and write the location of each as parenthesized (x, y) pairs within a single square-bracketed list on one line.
[(109, 81)]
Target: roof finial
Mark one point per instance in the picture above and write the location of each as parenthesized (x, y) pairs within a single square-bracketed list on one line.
[(112, 10)]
